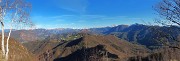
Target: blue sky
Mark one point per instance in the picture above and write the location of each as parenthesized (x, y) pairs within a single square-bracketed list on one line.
[(90, 13)]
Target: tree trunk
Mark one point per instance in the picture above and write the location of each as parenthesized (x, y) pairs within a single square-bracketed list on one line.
[(2, 43), (7, 41), (7, 44)]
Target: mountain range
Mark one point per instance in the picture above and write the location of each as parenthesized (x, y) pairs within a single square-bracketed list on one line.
[(136, 42), (136, 33)]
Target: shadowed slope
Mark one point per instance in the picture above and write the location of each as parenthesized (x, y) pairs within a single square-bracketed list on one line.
[(93, 45)]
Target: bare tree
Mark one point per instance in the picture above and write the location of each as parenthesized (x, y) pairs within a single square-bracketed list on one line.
[(12, 14), (169, 10)]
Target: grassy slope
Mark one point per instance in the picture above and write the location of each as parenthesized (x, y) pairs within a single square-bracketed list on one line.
[(17, 52)]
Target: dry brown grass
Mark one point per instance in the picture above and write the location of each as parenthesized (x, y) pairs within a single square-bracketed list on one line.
[(17, 52)]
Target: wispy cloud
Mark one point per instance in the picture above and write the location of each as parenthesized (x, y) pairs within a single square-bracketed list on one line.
[(78, 6)]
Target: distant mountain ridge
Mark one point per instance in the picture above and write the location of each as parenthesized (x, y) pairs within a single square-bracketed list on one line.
[(136, 33), (120, 43), (146, 35)]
